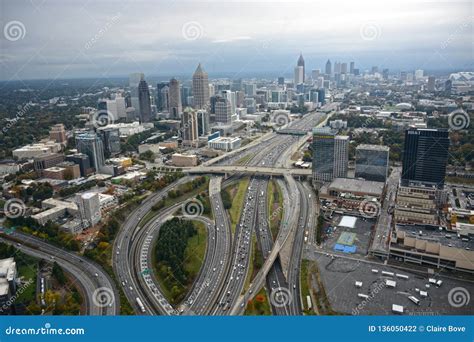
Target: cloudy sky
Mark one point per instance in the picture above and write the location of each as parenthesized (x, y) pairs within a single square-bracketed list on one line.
[(106, 38)]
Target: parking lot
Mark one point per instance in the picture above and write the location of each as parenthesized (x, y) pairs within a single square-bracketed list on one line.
[(339, 275), (362, 231)]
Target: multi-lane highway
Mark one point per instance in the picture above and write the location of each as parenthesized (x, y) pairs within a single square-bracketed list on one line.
[(101, 295)]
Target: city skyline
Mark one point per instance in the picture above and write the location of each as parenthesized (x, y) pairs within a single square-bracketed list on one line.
[(112, 41)]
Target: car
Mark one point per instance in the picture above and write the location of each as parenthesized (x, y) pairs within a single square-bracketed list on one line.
[(96, 275)]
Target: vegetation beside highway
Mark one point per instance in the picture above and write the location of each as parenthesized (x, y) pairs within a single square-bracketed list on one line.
[(237, 193), (259, 306), (61, 295), (275, 207), (178, 256)]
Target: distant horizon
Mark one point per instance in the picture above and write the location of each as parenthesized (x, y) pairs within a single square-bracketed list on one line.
[(54, 39)]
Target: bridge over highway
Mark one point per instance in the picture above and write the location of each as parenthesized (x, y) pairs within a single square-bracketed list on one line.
[(231, 169)]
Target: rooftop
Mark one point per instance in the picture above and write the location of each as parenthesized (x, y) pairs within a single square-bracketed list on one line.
[(357, 185)]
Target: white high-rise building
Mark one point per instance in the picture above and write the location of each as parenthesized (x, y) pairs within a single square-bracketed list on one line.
[(89, 208), (419, 74), (299, 75)]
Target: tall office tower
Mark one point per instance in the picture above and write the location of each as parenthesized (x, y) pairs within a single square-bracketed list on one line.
[(323, 154), (281, 81), (223, 111), (159, 96), (431, 84), (299, 75), (337, 67), (315, 74), (89, 208), (300, 63), (343, 68), (189, 127), (322, 95), (121, 107), (328, 68), (236, 85), (203, 118), (144, 101), (213, 101), (165, 98), (351, 68), (91, 145), (108, 107), (133, 82), (250, 89), (385, 74), (185, 96), (239, 98), (175, 99), (200, 88), (425, 155), (419, 74), (111, 140), (58, 134), (371, 162), (82, 160), (341, 156), (230, 96)]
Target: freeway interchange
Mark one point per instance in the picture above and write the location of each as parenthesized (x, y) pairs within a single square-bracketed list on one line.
[(220, 287), (225, 282)]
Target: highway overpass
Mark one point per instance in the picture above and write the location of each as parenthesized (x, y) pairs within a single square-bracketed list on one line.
[(250, 170)]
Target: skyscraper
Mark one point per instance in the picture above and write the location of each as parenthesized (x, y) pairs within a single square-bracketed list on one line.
[(175, 99), (160, 101), (371, 162), (200, 88), (133, 82), (323, 154), (351, 68), (111, 140), (341, 156), (223, 111), (425, 155), (89, 208), (330, 155), (144, 101), (91, 145), (300, 63), (328, 68), (203, 122), (299, 71), (189, 127)]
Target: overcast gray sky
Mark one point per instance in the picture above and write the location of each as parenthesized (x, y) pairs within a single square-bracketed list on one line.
[(58, 38)]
